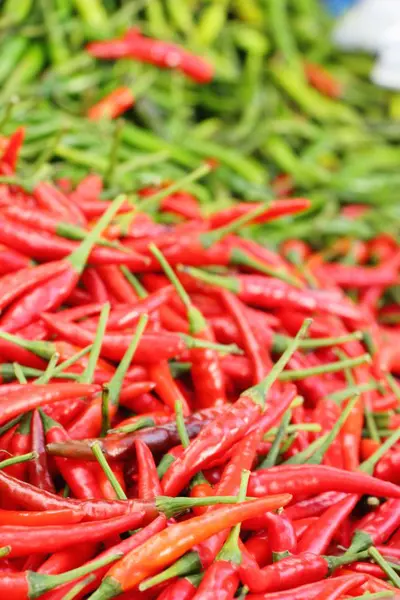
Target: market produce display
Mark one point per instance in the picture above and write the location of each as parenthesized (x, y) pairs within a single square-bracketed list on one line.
[(199, 313)]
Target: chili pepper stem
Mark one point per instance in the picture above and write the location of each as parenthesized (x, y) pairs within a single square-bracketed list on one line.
[(4, 551), (15, 460), (43, 349), (368, 465), (172, 506), (40, 583), (97, 451), (187, 565), (258, 392), (211, 237), (390, 572), (79, 257)]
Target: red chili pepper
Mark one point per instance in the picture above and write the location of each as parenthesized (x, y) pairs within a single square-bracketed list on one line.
[(28, 584), (28, 540), (152, 347), (122, 547), (112, 105), (48, 247), (63, 516), (16, 284), (309, 591), (169, 545), (162, 54), (51, 295), (94, 285), (252, 348), (267, 293), (333, 591), (281, 536), (326, 414), (223, 432), (124, 316), (78, 476), (117, 284), (68, 559), (377, 527), (323, 81), (182, 589), (318, 536), (166, 386), (288, 572), (388, 468), (275, 209), (242, 459), (349, 276), (90, 422), (39, 474), (206, 373), (11, 261), (148, 485), (300, 480), (27, 399), (9, 159), (55, 202), (20, 443), (221, 578)]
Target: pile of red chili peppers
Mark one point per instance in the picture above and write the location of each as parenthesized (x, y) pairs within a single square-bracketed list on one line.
[(185, 413)]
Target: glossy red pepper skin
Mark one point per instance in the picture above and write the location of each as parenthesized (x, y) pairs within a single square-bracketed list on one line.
[(117, 284), (182, 589), (68, 559), (207, 375), (281, 535), (301, 480), (55, 202), (326, 414), (113, 105), (148, 483), (45, 297), (126, 315), (243, 457), (39, 474), (20, 443), (9, 159), (166, 387), (48, 247), (377, 527), (308, 591), (94, 285), (277, 208), (28, 540), (12, 261), (28, 399), (152, 347), (220, 579), (31, 498), (248, 339), (79, 477), (16, 284), (318, 536), (388, 468), (162, 54), (285, 574), (123, 547), (214, 439), (37, 518)]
